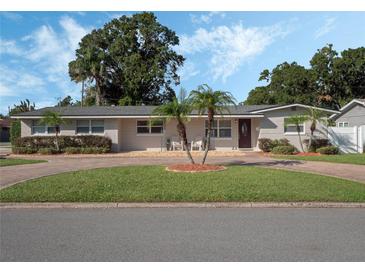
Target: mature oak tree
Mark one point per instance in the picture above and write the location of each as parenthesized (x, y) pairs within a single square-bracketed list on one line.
[(130, 60), (331, 81)]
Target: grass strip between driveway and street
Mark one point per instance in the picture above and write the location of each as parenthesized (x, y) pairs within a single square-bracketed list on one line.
[(355, 159), (155, 184), (16, 161)]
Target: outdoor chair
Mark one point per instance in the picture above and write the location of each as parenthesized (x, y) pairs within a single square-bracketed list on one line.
[(198, 144)]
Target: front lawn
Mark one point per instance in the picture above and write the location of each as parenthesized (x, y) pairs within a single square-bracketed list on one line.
[(14, 162), (155, 184), (356, 159)]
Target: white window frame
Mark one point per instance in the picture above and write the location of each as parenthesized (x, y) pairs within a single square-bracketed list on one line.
[(45, 129), (343, 124), (90, 128), (218, 128), (149, 133), (294, 133)]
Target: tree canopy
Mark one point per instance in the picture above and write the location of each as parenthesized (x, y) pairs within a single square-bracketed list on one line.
[(130, 60), (331, 80)]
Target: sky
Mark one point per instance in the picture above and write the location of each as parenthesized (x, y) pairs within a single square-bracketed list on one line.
[(226, 50)]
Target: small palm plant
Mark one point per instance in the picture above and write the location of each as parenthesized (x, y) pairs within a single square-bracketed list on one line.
[(206, 99), (297, 120), (178, 109), (314, 116), (53, 119)]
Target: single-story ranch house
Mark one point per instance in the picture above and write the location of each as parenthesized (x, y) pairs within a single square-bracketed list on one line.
[(135, 128)]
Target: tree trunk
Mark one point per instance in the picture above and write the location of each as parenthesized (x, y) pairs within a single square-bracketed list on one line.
[(207, 144), (312, 128), (182, 132), (98, 93), (56, 141), (300, 139)]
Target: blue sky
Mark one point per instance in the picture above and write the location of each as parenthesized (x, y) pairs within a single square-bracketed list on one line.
[(226, 50)]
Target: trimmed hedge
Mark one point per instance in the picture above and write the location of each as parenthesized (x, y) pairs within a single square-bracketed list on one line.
[(15, 129), (286, 150), (316, 144), (267, 145), (83, 141), (47, 151), (328, 150), (85, 150)]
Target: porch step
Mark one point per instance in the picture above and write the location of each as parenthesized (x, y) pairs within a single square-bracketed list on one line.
[(246, 149)]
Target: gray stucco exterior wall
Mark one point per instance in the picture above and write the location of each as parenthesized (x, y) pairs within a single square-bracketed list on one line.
[(355, 116)]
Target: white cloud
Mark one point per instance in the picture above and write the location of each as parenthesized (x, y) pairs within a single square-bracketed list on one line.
[(9, 47), (52, 51), (328, 26), (188, 71), (18, 83), (205, 18), (229, 47)]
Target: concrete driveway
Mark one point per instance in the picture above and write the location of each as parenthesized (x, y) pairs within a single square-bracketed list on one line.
[(57, 164), (195, 234)]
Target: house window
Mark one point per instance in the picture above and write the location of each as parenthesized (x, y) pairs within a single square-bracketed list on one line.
[(82, 126), (343, 124), (292, 128), (220, 129), (97, 126), (89, 126), (38, 128), (150, 127)]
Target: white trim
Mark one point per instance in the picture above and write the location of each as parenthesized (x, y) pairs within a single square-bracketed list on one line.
[(354, 101), (295, 105), (90, 128), (149, 126), (294, 133), (139, 117)]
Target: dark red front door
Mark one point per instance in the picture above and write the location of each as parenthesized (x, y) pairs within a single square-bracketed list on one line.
[(244, 133)]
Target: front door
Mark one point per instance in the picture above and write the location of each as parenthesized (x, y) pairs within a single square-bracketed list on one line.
[(244, 131)]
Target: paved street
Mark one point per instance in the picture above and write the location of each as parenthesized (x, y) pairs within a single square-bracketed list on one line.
[(198, 234)]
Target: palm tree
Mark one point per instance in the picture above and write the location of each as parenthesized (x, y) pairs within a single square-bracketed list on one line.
[(53, 119), (296, 120), (315, 116), (178, 109), (206, 99)]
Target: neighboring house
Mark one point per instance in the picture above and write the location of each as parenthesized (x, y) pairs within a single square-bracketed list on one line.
[(4, 130), (352, 114), (135, 128)]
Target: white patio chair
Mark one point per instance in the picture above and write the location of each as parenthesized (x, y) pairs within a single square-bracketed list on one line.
[(176, 145), (198, 144)]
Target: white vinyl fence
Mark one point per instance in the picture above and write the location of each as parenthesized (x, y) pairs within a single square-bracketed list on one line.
[(348, 139)]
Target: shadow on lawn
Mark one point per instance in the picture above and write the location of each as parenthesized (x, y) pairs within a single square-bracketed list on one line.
[(263, 163)]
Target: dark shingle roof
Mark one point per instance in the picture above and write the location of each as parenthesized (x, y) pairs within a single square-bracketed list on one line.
[(125, 110)]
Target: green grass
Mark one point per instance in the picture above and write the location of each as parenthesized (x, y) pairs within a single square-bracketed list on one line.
[(155, 184), (356, 159), (14, 162)]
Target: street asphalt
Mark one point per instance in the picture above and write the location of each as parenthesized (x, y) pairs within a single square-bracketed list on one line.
[(182, 234)]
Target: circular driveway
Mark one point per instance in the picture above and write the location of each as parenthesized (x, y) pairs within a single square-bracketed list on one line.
[(57, 164)]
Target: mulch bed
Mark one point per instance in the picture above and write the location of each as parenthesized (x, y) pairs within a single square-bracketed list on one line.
[(308, 154), (194, 168)]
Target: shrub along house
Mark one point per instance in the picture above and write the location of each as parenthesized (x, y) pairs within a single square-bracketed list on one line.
[(135, 128)]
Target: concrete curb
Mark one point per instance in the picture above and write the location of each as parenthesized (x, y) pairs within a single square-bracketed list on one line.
[(183, 205)]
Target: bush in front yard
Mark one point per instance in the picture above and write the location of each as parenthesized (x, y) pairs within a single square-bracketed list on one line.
[(267, 145), (82, 141), (286, 150), (72, 150), (14, 131), (317, 143), (47, 151), (328, 150), (23, 150)]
